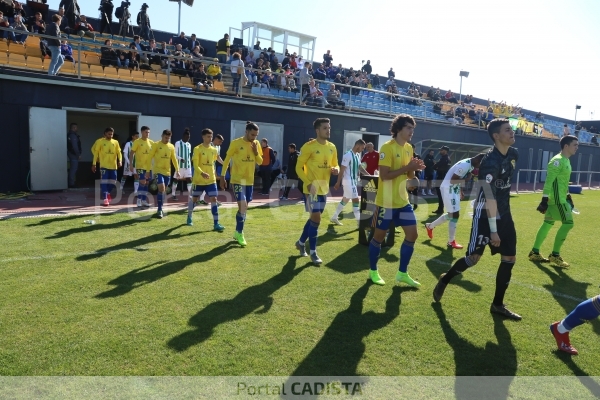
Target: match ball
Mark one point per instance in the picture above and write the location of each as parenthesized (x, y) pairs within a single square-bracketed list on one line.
[(412, 184)]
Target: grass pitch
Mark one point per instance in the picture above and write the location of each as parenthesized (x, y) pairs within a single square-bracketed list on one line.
[(140, 296)]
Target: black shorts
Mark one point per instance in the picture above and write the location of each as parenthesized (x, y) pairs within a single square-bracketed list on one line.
[(480, 236), (428, 175)]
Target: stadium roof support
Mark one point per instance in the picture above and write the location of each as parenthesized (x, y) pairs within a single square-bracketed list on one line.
[(279, 39)]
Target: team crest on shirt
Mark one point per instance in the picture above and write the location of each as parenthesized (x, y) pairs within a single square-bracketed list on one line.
[(513, 163), (381, 156), (489, 178), (556, 163)]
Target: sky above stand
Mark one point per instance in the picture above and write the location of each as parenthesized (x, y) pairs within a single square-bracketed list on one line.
[(541, 54)]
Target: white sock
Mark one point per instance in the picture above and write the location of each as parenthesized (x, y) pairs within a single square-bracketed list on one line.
[(136, 186), (201, 196), (561, 328), (442, 219), (356, 211), (189, 188), (313, 252), (338, 210), (174, 189), (451, 231)]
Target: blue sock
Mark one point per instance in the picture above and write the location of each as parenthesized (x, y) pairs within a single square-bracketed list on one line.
[(304, 235), (312, 236), (406, 252), (585, 311), (374, 250), (215, 212), (239, 222), (142, 192), (160, 200), (104, 189)]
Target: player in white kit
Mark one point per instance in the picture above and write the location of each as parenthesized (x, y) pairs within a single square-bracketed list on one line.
[(183, 152), (452, 194), (349, 177), (127, 163)]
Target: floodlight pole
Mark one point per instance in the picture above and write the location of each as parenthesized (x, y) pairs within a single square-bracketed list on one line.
[(460, 91), (179, 20), (577, 107)]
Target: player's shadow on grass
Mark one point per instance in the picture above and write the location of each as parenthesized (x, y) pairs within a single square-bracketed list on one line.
[(158, 270), (441, 264), (134, 244), (257, 298), (495, 364), (97, 228), (48, 221), (583, 376), (341, 347), (561, 283)]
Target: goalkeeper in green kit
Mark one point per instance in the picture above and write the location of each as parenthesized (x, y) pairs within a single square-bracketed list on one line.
[(556, 204)]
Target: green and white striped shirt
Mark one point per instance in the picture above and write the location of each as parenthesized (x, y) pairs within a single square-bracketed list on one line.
[(351, 161), (183, 152)]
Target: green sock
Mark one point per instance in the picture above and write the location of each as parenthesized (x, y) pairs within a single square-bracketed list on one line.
[(541, 235), (561, 235)]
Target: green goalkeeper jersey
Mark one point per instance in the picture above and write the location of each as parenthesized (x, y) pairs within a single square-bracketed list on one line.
[(556, 186)]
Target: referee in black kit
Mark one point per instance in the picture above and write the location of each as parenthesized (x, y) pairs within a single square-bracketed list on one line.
[(442, 167)]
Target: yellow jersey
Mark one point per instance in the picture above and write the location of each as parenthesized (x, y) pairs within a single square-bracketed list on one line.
[(107, 152), (163, 154), (315, 163), (142, 149), (203, 160), (392, 193), (244, 161)]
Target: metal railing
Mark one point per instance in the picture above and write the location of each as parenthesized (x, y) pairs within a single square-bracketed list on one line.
[(541, 171)]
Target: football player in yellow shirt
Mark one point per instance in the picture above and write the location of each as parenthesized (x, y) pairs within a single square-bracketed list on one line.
[(163, 154), (140, 152), (245, 153), (204, 178), (107, 151), (396, 166), (317, 162)]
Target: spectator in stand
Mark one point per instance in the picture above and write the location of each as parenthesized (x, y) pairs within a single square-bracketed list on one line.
[(375, 82), (391, 73), (286, 61), (267, 79), (137, 45), (390, 82), (193, 42), (223, 50), (594, 140), (54, 45), (181, 39), (367, 69), (4, 24), (314, 97), (593, 130), (371, 158), (449, 96), (257, 46), (237, 69), (291, 83), (566, 130), (350, 73), (274, 63), (72, 10), (355, 82), (64, 23), (469, 99), (108, 54), (214, 71), (196, 53), (338, 81), (305, 78), (293, 63), (200, 78), (577, 128), (66, 50), (19, 26), (249, 58), (84, 28), (320, 73), (430, 93), (124, 59), (334, 98), (327, 58), (437, 96), (539, 116)]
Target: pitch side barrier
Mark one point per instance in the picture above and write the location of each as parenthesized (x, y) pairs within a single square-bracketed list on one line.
[(591, 180)]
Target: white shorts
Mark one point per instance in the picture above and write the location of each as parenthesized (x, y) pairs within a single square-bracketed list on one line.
[(185, 173), (126, 171), (451, 199), (350, 190)]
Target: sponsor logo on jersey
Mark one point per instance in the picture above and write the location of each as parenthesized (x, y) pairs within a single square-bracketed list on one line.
[(513, 163), (370, 187)]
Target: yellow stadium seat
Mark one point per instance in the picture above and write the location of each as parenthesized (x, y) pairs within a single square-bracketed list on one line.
[(76, 55), (92, 59), (17, 49), (138, 76), (3, 45), (17, 60), (186, 81), (35, 62), (218, 86), (3, 58), (32, 41), (96, 71), (33, 51), (68, 68), (111, 72)]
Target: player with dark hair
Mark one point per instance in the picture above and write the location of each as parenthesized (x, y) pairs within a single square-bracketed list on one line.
[(316, 163), (556, 204), (140, 152), (349, 178), (452, 194), (205, 180), (163, 153), (246, 153), (183, 152), (585, 311), (397, 167), (107, 152), (492, 220), (128, 164)]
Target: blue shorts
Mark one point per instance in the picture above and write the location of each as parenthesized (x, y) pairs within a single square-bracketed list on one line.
[(404, 216), (163, 179), (142, 173), (108, 174), (242, 192), (210, 189), (315, 203)]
